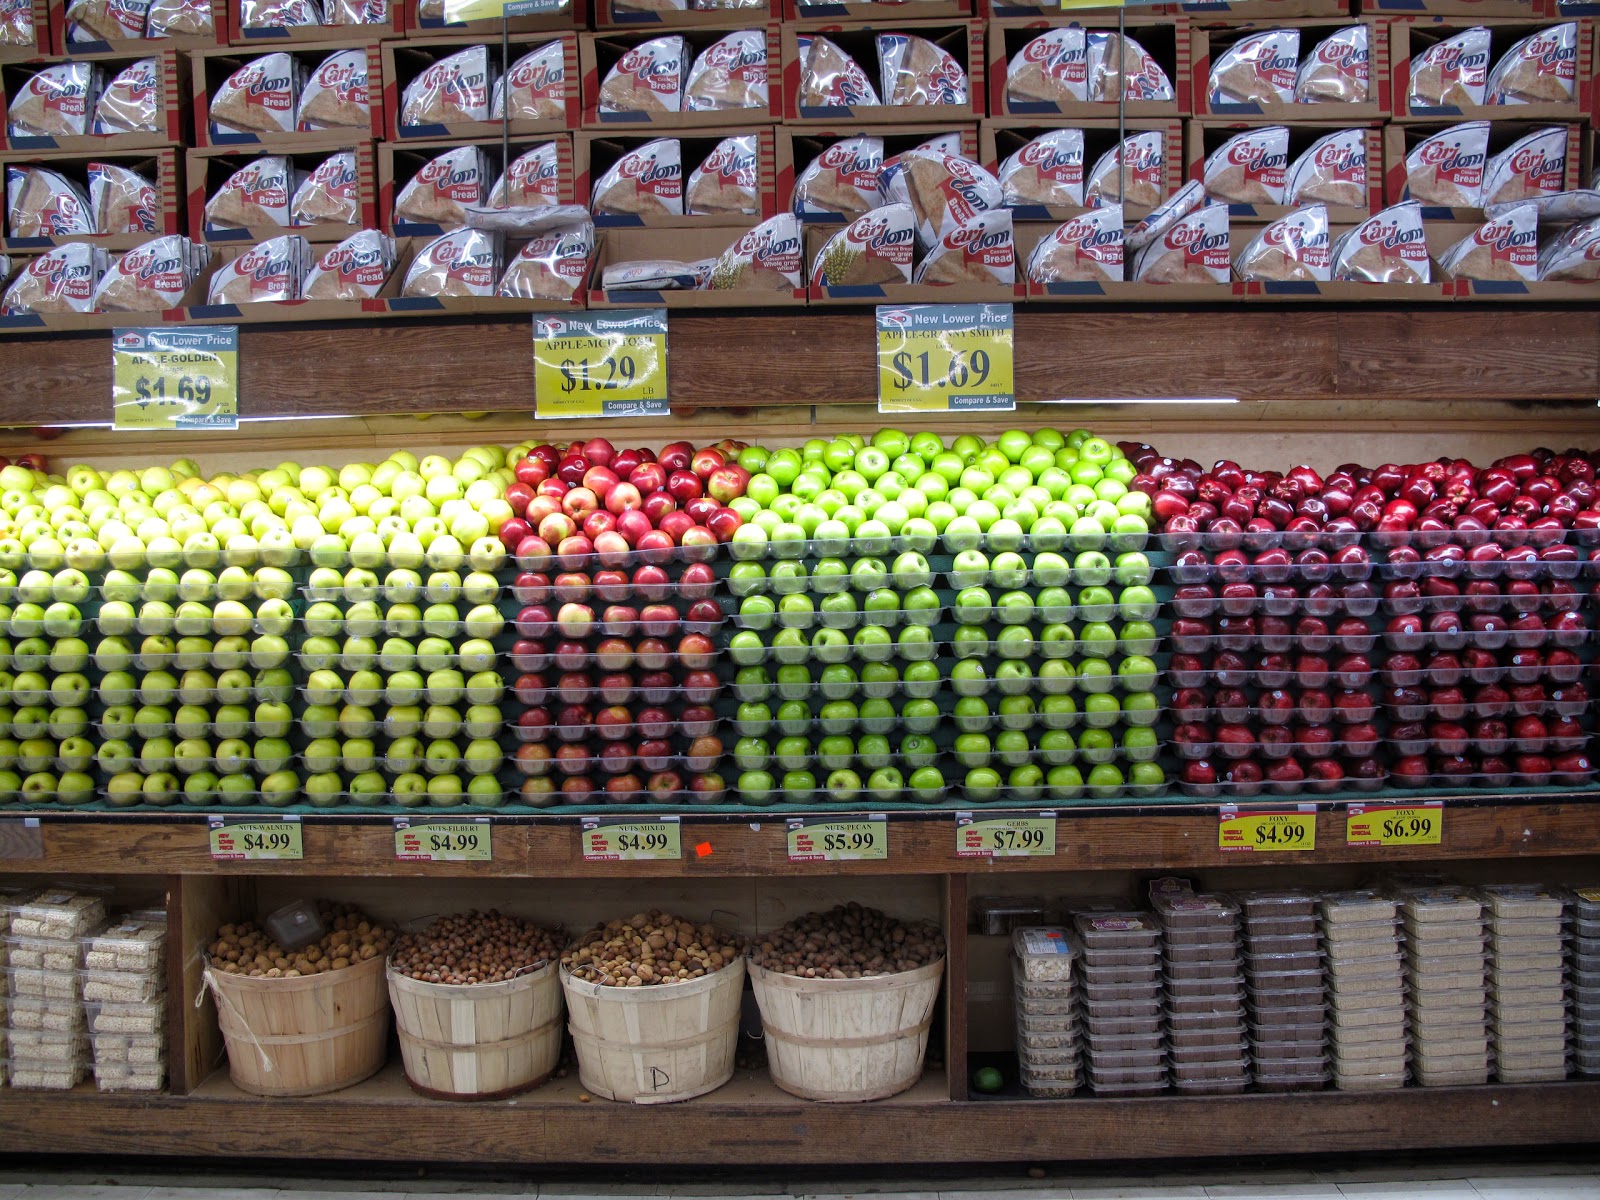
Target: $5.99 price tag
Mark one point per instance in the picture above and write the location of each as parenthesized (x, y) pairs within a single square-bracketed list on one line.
[(1005, 835), (945, 358), (1395, 824), (600, 364), (838, 839), (443, 841), (246, 839), (1264, 832), (607, 840), (185, 377)]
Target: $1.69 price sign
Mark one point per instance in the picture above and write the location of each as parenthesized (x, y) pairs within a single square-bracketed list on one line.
[(1395, 824), (443, 841), (835, 839), (246, 839), (607, 840), (600, 364), (945, 358), (1005, 835), (185, 377), (1265, 832)]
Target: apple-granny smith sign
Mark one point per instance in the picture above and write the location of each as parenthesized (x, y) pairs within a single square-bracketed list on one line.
[(945, 358)]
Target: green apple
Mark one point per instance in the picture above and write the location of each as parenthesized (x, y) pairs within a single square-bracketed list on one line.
[(886, 784), (793, 682), (1146, 778), (1141, 708), (755, 787), (1105, 781), (982, 785), (1101, 710), (1058, 676), (829, 645), (1139, 744), (1138, 672)]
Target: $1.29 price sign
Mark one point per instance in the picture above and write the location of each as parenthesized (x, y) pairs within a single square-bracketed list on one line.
[(945, 358), (1005, 835), (600, 364), (1395, 824), (607, 840), (185, 377), (246, 839), (1264, 832), (443, 841), (835, 839)]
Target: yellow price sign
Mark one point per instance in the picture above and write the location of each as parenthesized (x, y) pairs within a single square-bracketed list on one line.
[(246, 839), (600, 364), (185, 377), (1005, 835), (945, 358), (1394, 824), (838, 839), (608, 840), (1265, 832), (443, 841), (484, 10)]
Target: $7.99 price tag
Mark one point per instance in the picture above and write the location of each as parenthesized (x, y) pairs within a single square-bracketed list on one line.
[(185, 377), (247, 839), (1005, 835), (1395, 824), (945, 358), (443, 841), (605, 839), (600, 364), (1264, 832), (838, 839)]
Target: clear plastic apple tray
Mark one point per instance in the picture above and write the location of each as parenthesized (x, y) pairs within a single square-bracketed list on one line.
[(1564, 701), (1271, 748), (809, 616), (1004, 535), (1187, 671), (1226, 787), (1185, 641), (1481, 597), (1045, 792), (1246, 598)]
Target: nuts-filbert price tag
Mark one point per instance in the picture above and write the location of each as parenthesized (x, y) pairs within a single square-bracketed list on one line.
[(248, 839), (181, 378), (1005, 835), (1395, 824), (606, 840), (1264, 831), (600, 364), (945, 358), (443, 841), (838, 839)]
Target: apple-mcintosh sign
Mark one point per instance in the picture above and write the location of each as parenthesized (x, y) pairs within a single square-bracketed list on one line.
[(180, 378), (600, 364)]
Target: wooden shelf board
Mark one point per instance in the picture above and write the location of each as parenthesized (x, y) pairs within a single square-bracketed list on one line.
[(921, 843), (750, 1120)]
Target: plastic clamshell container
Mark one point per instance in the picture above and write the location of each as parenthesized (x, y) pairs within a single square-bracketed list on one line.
[(128, 946), (1048, 1085), (50, 1015), (1510, 927), (1308, 1031), (1363, 906), (1223, 986), (122, 1077), (1519, 900), (144, 1017), (35, 1045), (1195, 972), (1290, 926), (1368, 1081), (1189, 1005), (28, 1074), (1446, 903), (42, 954), (1188, 913), (59, 913), (1127, 1080), (1182, 1023), (1122, 1060), (998, 915), (1537, 1074), (1375, 966), (1100, 960), (1062, 990), (1287, 945), (1520, 945), (1049, 1056), (1045, 953), (1204, 1044), (1144, 1007), (1053, 1008), (142, 1049), (119, 987), (1032, 1042), (31, 984), (1117, 930), (1258, 906)]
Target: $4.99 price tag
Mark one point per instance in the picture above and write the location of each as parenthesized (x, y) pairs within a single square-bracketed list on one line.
[(1005, 835), (443, 841), (600, 364), (246, 839), (1395, 824), (1264, 832), (185, 377), (945, 358), (838, 839), (607, 840)]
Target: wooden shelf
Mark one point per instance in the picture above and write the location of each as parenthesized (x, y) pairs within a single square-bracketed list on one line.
[(920, 843)]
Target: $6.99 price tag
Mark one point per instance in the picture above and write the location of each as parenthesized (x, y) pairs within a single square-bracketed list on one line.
[(1395, 825), (1264, 832), (600, 364), (945, 358)]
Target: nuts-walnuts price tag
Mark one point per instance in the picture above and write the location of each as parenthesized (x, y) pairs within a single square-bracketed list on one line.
[(443, 841), (1260, 832), (1005, 835), (608, 840), (247, 839), (1395, 824), (838, 839), (945, 358), (600, 364), (186, 377)]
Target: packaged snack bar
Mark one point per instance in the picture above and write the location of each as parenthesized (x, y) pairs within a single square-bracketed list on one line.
[(767, 258), (1194, 250), (727, 181), (1250, 167), (56, 102), (123, 201), (979, 251), (914, 71), (830, 78), (43, 203), (646, 180), (533, 180), (1047, 171), (648, 78), (1534, 165), (151, 278), (538, 83), (180, 18), (260, 97), (1142, 177), (1573, 254), (1387, 248), (106, 20), (1337, 71), (1540, 69), (355, 269), (873, 249), (554, 264), (1088, 248), (1187, 199), (729, 74), (946, 192), (279, 14), (335, 97), (1142, 77), (271, 271), (1259, 68), (1503, 248), (842, 180), (439, 193), (1294, 248), (452, 90), (254, 196), (465, 262), (1451, 73), (1446, 168), (62, 280), (329, 195), (131, 102), (1053, 68), (1332, 170)]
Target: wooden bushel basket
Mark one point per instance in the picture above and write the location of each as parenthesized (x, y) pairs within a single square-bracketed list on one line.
[(846, 1039)]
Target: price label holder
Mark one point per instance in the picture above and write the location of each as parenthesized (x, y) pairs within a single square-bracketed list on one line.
[(21, 838), (1006, 835), (250, 839), (1258, 831), (488, 10), (838, 839), (611, 364), (443, 841), (935, 358), (620, 840), (1395, 824), (185, 377)]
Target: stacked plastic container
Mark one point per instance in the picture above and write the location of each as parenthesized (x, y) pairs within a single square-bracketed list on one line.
[(1366, 989), (1585, 981), (47, 1042), (1047, 1025), (123, 989), (1122, 1002), (1445, 982), (1283, 972), (1527, 987), (1206, 1048)]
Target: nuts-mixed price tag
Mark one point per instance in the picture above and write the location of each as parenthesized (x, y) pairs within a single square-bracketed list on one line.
[(838, 839), (181, 378), (443, 841), (1005, 835), (600, 364), (245, 839), (945, 358), (1260, 832), (606, 840), (1395, 825)]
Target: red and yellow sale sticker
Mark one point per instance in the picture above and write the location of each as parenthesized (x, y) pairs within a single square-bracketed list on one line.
[(1395, 824), (1257, 831)]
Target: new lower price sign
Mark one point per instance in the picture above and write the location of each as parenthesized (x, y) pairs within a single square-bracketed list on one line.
[(624, 840), (252, 839), (598, 364), (185, 377), (838, 839), (945, 358), (443, 841), (1005, 835)]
